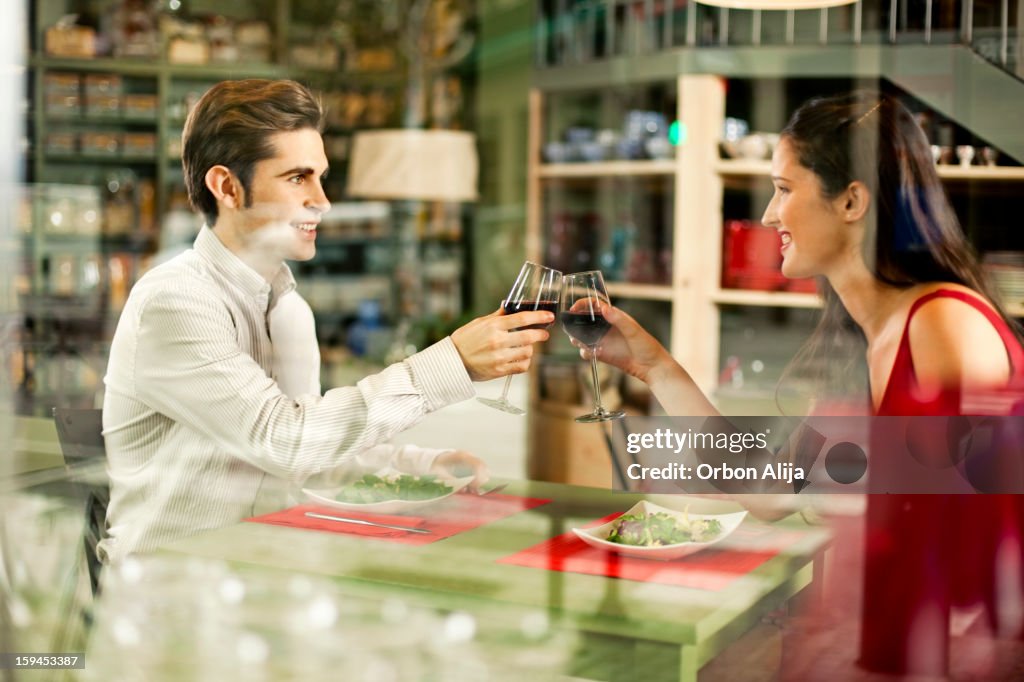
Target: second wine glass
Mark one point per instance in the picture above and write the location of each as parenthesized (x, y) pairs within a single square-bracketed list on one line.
[(536, 288), (584, 298)]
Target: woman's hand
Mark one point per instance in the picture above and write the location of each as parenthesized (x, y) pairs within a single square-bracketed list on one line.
[(459, 463), (629, 347)]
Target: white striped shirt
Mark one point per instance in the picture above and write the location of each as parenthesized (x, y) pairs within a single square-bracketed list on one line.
[(198, 432)]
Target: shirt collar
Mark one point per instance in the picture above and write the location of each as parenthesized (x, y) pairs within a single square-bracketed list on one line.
[(283, 282), (213, 251)]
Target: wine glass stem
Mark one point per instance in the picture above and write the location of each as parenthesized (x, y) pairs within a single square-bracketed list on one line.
[(597, 383), (504, 391)]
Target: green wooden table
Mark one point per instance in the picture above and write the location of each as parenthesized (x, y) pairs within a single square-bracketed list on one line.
[(677, 627)]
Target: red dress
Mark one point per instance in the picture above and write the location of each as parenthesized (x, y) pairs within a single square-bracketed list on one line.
[(924, 553)]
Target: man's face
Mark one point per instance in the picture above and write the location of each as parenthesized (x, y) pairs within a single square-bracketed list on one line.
[(287, 197)]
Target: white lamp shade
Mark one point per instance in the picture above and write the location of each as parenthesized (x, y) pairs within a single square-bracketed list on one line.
[(776, 4), (426, 165)]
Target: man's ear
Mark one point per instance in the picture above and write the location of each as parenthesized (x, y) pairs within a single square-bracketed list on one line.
[(225, 187), (855, 201)]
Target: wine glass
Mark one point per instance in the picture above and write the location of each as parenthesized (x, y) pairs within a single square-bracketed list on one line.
[(582, 314), (536, 288)]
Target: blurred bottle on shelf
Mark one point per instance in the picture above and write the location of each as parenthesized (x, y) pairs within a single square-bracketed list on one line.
[(732, 373), (131, 29), (589, 229), (119, 273), (147, 207), (562, 242), (120, 209), (617, 256)]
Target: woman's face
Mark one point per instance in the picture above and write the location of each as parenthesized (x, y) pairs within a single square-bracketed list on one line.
[(815, 238)]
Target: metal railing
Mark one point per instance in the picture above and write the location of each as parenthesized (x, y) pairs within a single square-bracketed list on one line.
[(580, 31)]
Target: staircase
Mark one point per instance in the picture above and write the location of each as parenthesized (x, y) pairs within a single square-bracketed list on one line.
[(964, 59)]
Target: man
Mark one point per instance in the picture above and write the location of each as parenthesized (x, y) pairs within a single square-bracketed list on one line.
[(199, 433)]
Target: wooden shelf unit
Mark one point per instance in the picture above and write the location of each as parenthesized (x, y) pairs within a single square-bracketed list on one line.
[(607, 169), (645, 292), (749, 167), (700, 104), (778, 299)]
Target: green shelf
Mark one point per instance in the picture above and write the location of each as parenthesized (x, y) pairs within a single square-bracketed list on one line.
[(219, 71), (98, 158), (154, 68), (86, 119)]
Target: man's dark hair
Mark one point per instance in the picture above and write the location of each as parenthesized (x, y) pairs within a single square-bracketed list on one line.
[(231, 125)]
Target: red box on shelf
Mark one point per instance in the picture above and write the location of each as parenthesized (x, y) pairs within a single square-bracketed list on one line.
[(751, 257)]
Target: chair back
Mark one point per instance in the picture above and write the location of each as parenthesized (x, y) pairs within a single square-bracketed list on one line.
[(615, 439), (80, 433)]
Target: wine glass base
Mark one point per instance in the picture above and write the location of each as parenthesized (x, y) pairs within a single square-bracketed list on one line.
[(601, 416), (501, 404)]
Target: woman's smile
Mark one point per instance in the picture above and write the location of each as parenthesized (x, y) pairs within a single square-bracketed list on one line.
[(786, 238)]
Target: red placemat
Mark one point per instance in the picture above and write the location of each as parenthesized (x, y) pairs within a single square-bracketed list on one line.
[(709, 569), (454, 515)]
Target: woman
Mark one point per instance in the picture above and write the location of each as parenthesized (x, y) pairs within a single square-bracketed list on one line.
[(859, 204)]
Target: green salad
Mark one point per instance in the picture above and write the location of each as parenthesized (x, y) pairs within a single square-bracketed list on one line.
[(659, 528), (372, 488)]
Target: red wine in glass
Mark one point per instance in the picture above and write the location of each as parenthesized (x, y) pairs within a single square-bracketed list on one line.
[(549, 306), (587, 328)]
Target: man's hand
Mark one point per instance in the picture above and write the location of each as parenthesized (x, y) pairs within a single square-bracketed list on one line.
[(459, 463), (491, 348)]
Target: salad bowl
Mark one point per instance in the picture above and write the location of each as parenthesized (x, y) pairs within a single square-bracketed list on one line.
[(660, 533), (388, 493)]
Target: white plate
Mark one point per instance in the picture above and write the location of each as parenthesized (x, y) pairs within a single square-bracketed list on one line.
[(598, 536), (327, 497)]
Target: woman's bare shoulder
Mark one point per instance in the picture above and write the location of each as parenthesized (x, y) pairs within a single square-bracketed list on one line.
[(920, 290), (953, 342)]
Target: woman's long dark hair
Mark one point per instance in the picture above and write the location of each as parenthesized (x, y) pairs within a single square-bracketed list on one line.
[(913, 235)]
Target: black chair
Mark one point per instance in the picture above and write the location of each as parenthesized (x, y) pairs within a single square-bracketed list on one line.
[(80, 433), (615, 438)]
